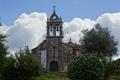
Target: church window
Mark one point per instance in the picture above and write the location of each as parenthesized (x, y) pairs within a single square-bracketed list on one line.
[(43, 58)]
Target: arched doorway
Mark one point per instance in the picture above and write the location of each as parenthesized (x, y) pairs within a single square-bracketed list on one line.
[(54, 66)]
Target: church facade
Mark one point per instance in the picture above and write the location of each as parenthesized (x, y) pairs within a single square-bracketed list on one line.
[(53, 53)]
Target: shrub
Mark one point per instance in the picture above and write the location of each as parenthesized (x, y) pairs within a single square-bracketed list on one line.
[(86, 67), (23, 66)]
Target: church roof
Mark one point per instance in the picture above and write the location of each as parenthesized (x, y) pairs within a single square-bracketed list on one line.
[(118, 60), (73, 45), (44, 41)]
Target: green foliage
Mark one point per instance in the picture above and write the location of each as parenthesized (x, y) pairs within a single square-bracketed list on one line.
[(23, 66), (52, 76), (0, 24), (86, 67), (109, 67), (112, 68), (98, 40), (81, 66), (27, 64), (116, 67), (3, 52), (3, 47), (10, 70)]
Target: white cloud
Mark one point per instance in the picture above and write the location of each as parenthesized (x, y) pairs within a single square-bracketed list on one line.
[(112, 22), (73, 28), (3, 28), (30, 29)]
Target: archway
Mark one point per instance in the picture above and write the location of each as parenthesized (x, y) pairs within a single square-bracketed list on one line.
[(54, 66)]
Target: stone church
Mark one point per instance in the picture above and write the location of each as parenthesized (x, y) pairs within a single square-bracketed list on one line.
[(53, 53)]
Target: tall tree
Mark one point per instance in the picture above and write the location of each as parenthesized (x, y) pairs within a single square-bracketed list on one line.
[(3, 51), (23, 66), (98, 40)]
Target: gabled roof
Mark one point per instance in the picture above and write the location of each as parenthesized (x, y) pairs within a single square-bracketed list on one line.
[(44, 41), (73, 45)]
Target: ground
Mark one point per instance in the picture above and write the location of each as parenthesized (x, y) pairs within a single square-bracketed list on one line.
[(62, 76), (52, 76)]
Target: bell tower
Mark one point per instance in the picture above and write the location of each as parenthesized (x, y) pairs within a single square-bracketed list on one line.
[(54, 26)]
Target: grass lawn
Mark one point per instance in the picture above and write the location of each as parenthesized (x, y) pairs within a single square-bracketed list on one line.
[(52, 76), (62, 76)]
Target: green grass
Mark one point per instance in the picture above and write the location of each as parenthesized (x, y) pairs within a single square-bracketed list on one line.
[(52, 76)]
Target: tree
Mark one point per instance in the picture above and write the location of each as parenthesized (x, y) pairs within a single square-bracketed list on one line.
[(28, 65), (86, 67), (10, 70), (83, 68), (98, 40), (3, 51), (23, 66), (0, 24), (110, 68), (114, 70)]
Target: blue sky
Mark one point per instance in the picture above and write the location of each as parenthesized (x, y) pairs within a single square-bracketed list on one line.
[(68, 9)]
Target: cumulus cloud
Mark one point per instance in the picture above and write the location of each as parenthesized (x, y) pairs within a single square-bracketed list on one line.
[(30, 29), (75, 27), (112, 22), (3, 28)]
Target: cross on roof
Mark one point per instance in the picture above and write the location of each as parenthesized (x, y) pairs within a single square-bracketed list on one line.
[(54, 7)]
